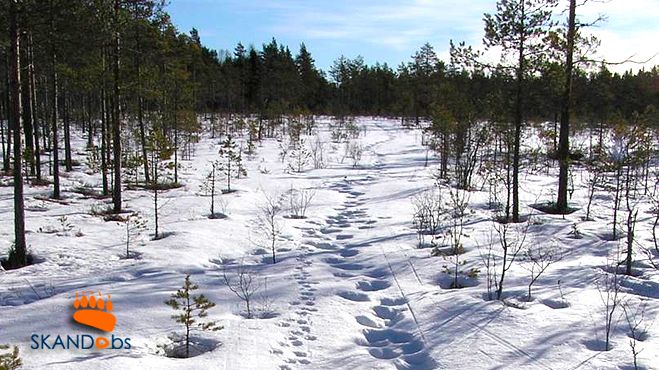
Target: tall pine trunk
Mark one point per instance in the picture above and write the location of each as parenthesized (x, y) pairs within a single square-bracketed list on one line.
[(518, 117), (66, 115), (28, 113), (5, 109), (6, 165), (54, 97), (20, 249), (35, 120), (564, 140), (140, 105), (116, 120), (104, 132)]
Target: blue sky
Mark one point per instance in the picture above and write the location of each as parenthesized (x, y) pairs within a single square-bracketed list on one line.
[(392, 30)]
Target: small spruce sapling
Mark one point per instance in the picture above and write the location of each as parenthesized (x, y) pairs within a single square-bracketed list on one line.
[(190, 310)]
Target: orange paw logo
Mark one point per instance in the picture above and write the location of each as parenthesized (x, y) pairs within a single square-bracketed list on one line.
[(94, 312)]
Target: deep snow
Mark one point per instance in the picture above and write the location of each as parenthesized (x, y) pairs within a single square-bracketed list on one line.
[(351, 290)]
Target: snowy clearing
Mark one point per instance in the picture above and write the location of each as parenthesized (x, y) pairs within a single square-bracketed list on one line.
[(350, 289)]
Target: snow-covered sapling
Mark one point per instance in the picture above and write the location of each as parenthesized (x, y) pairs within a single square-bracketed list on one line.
[(191, 309), (243, 282)]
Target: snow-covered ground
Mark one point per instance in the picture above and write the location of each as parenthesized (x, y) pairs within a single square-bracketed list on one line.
[(351, 290)]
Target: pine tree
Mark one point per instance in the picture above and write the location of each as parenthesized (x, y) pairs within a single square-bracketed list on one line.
[(300, 157), (192, 309), (209, 185), (232, 163), (10, 360), (424, 69), (519, 28), (18, 257)]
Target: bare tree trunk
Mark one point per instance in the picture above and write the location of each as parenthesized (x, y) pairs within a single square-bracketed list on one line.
[(20, 249)]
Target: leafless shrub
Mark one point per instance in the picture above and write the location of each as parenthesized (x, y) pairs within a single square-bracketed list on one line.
[(608, 286), (268, 217), (459, 200), (354, 151), (428, 214), (243, 282), (511, 241), (317, 149), (638, 327), (487, 255), (537, 259), (299, 201)]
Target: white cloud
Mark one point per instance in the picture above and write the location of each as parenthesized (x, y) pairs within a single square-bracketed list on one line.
[(399, 25), (402, 26)]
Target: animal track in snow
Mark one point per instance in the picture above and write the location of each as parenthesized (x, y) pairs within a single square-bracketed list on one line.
[(353, 296)]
